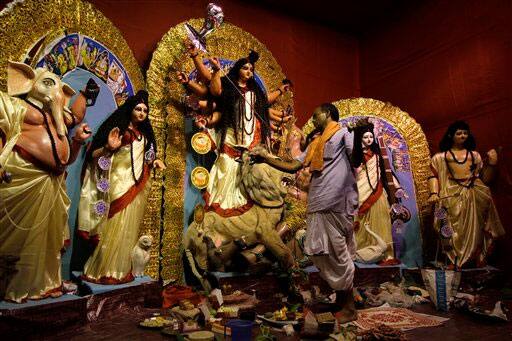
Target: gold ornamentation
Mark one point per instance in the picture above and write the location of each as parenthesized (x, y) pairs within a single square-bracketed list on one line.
[(165, 94), (200, 177), (201, 143), (24, 23)]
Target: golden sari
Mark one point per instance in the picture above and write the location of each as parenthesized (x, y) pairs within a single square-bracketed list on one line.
[(373, 205), (471, 213), (34, 213), (116, 231)]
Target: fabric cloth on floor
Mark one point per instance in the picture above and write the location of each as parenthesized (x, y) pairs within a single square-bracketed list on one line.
[(398, 318)]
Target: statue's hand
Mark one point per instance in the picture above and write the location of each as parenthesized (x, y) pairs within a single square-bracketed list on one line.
[(215, 63), (284, 88), (279, 116), (401, 193), (493, 157), (182, 77), (191, 47), (82, 133), (201, 121), (114, 139), (158, 164), (433, 198), (260, 151)]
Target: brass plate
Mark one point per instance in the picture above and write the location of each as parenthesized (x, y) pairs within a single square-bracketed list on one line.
[(200, 177), (201, 143)]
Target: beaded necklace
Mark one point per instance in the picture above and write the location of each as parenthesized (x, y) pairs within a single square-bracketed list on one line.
[(247, 116), (456, 160), (365, 166), (473, 169)]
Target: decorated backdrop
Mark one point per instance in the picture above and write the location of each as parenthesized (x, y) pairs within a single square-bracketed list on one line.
[(77, 42), (229, 43)]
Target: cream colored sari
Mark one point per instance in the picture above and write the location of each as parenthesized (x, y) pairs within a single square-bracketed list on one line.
[(111, 261), (225, 192), (33, 214), (377, 215), (471, 212)]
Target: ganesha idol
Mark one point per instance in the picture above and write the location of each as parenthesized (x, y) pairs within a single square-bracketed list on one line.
[(34, 153)]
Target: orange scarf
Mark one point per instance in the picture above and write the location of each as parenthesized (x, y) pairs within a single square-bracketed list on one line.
[(315, 155)]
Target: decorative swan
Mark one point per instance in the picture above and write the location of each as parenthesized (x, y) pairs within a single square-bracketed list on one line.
[(372, 253)]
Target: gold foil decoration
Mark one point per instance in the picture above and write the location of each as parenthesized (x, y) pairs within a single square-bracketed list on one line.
[(24, 23), (165, 96), (200, 177), (201, 143)]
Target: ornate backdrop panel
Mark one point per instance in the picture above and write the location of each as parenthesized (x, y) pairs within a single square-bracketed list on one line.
[(229, 43), (77, 42)]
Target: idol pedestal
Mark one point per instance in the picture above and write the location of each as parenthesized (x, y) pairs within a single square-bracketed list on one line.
[(40, 318)]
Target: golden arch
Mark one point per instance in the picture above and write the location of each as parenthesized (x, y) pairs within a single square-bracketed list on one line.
[(19, 32)]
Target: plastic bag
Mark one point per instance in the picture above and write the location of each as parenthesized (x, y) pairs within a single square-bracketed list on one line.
[(442, 286)]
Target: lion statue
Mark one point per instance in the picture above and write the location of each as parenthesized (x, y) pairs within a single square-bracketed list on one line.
[(211, 241)]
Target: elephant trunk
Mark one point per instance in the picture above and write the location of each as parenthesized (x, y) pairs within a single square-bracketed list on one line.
[(57, 110)]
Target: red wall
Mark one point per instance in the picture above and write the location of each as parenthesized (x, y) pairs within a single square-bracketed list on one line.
[(322, 63), (450, 60)]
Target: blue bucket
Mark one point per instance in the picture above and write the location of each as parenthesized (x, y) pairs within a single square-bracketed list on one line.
[(241, 330)]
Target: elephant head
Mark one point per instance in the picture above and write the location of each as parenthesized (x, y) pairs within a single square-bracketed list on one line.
[(145, 242), (43, 89)]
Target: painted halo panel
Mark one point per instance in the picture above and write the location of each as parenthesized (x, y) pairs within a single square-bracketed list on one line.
[(19, 31), (228, 42), (408, 152), (66, 53)]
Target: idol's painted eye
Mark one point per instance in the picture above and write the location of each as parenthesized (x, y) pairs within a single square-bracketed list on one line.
[(48, 82), (143, 109)]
